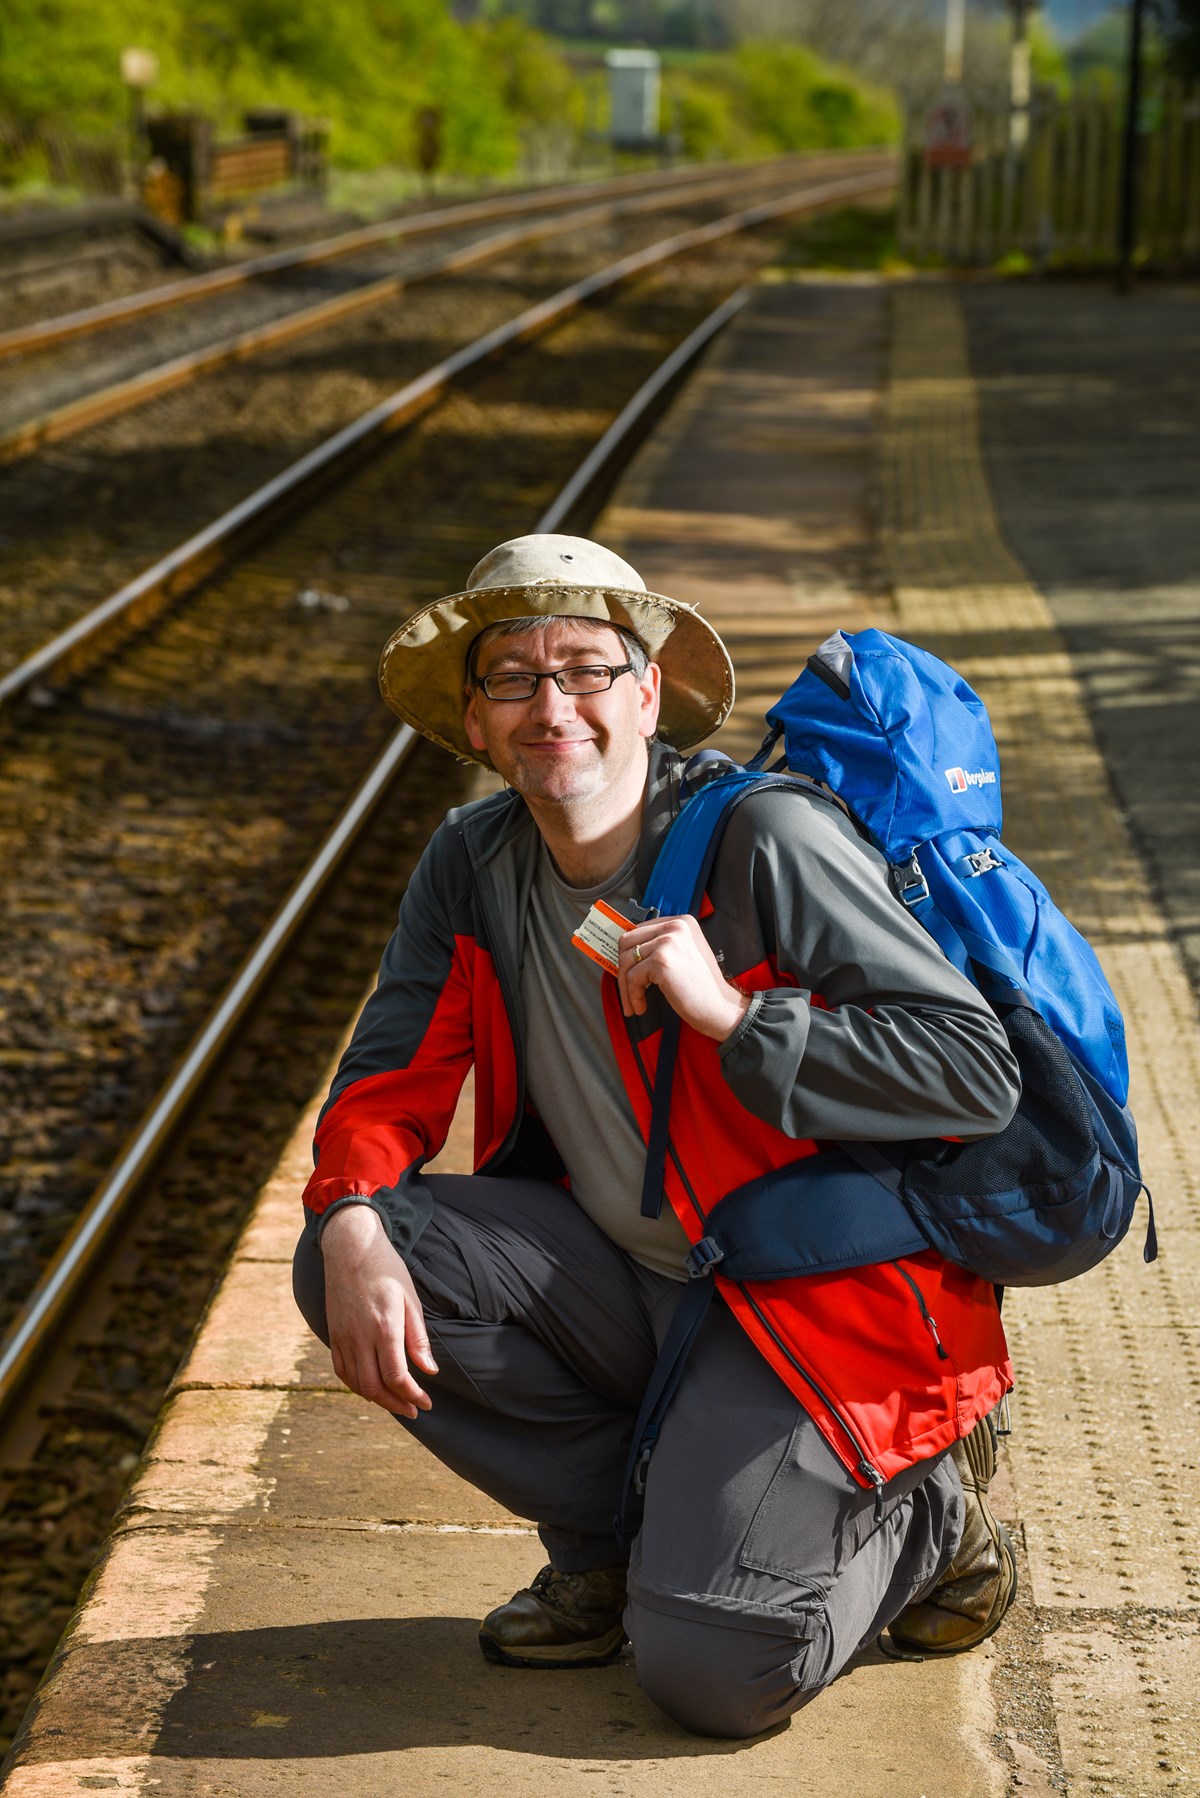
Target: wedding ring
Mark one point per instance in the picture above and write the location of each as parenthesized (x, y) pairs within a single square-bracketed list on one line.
[(637, 952)]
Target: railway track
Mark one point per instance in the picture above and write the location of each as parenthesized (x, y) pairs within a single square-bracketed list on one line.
[(191, 561), (81, 518), (45, 333), (73, 384), (22, 1352), (105, 250), (156, 816)]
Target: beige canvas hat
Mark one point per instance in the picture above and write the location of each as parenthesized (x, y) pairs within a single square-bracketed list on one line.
[(422, 672)]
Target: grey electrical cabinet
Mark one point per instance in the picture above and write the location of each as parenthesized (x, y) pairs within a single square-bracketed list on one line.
[(633, 79)]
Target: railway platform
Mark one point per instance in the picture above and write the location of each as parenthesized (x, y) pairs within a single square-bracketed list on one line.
[(288, 1599)]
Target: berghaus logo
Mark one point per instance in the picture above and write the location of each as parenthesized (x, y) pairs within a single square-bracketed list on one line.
[(962, 779)]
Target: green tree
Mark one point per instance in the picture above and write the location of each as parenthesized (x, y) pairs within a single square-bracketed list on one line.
[(369, 66), (1180, 26), (1047, 58), (770, 96)]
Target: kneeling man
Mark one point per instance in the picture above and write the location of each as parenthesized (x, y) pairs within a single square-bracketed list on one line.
[(821, 1473)]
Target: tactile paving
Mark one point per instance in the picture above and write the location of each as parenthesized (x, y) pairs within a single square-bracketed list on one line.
[(1105, 1450)]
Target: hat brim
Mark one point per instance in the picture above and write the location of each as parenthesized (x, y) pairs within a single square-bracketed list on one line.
[(422, 672)]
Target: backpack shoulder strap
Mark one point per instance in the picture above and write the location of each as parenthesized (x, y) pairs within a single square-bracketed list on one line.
[(676, 883), (676, 886)]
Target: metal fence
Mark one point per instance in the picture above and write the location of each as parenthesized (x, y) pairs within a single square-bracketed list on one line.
[(1057, 196)]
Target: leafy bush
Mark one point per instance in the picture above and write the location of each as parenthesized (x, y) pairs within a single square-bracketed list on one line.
[(705, 117), (369, 66), (770, 96), (796, 101)]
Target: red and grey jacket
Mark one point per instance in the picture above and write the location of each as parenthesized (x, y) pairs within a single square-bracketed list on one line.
[(858, 1029)]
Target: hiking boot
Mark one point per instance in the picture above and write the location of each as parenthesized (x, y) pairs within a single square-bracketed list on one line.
[(561, 1620), (970, 1600)]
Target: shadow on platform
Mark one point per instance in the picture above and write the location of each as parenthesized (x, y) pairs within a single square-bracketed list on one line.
[(364, 1686)]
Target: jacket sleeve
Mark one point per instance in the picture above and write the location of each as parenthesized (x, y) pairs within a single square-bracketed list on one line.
[(867, 1033), (393, 1097)]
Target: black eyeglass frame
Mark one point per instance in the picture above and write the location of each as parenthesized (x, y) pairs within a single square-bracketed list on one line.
[(613, 671)]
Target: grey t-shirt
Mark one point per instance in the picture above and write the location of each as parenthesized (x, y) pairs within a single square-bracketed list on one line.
[(572, 1074)]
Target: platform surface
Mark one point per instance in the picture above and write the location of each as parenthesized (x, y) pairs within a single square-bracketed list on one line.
[(288, 1602)]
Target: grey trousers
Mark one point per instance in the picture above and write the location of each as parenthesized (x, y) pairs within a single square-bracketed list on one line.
[(759, 1566)]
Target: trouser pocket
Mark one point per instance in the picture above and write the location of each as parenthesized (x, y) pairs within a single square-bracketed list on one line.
[(813, 1517)]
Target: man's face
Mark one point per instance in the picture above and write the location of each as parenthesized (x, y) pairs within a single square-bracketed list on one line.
[(557, 747)]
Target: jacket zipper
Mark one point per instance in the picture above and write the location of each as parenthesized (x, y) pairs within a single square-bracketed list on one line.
[(510, 1007), (865, 1467), (927, 1315)]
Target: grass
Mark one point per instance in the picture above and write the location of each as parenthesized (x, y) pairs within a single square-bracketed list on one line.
[(854, 237)]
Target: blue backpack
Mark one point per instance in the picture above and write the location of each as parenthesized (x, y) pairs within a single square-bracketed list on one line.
[(905, 747)]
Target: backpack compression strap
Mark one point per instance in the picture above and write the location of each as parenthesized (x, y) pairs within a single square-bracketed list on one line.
[(682, 1332), (983, 963)]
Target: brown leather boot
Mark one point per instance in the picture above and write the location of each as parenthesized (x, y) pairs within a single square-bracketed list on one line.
[(970, 1600), (561, 1620)]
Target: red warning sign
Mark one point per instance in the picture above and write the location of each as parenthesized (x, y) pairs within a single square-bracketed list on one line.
[(949, 131)]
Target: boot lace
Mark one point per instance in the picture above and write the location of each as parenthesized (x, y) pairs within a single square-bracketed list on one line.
[(556, 1589)]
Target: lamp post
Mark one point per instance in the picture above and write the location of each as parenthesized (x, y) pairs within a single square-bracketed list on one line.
[(1127, 230), (139, 70), (956, 30)]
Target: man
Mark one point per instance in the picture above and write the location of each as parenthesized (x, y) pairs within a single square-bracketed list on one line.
[(807, 1488)]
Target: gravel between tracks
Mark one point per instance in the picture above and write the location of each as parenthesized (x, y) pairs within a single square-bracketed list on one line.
[(42, 279), (38, 381), (42, 380)]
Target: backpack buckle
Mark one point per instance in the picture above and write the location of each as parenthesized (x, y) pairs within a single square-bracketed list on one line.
[(981, 862), (702, 1257), (642, 1468), (911, 885)]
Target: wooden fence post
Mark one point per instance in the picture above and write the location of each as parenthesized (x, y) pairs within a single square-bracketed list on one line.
[(985, 229), (906, 220), (1191, 222)]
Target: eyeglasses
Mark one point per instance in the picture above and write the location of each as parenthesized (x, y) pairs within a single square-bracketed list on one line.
[(596, 678)]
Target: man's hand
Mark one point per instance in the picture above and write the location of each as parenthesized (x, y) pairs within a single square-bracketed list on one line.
[(374, 1314), (671, 954)]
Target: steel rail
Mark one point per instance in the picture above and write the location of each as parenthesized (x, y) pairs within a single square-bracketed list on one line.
[(80, 1248), (88, 319), (200, 555), (98, 1222), (595, 465), (135, 390)]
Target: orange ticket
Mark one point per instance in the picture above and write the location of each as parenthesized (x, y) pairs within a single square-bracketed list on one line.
[(600, 935)]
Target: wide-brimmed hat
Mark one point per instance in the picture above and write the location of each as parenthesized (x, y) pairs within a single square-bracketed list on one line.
[(422, 672)]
